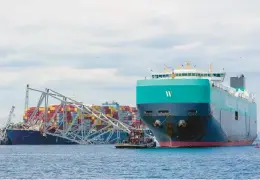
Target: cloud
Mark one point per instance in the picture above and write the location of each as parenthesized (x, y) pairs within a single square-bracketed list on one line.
[(98, 49), (92, 86)]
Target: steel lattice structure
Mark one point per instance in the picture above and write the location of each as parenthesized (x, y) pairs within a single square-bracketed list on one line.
[(73, 132), (3, 135)]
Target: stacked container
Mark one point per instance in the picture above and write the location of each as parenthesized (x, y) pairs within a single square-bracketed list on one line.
[(124, 116), (50, 112), (136, 120), (115, 115), (98, 108)]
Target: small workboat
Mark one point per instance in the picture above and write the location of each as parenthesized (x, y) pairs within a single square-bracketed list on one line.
[(136, 146), (137, 139)]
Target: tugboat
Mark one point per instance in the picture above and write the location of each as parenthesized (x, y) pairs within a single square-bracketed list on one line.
[(137, 139)]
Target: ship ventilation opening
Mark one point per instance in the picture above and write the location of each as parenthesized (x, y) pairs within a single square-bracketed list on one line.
[(148, 113), (163, 113), (191, 129)]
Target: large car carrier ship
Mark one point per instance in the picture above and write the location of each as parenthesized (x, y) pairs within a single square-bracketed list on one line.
[(187, 107)]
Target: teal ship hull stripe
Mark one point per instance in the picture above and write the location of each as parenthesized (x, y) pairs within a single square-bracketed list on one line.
[(173, 91)]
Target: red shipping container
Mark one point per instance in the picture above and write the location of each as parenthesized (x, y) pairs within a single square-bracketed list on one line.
[(115, 116), (79, 121), (108, 111), (115, 113)]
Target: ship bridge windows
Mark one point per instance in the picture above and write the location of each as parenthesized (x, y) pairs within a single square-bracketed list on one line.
[(166, 75), (198, 74), (218, 75), (158, 76), (191, 75), (155, 76)]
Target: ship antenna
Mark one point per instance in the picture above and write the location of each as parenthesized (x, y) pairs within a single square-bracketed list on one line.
[(210, 67), (187, 65)]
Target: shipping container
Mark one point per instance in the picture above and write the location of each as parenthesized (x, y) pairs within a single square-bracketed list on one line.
[(125, 114), (52, 108), (98, 122)]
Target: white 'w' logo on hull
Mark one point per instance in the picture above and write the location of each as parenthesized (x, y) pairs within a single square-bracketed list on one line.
[(168, 93)]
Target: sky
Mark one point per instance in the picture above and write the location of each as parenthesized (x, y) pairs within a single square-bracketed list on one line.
[(95, 51)]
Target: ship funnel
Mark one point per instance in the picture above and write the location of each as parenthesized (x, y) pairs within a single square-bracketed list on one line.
[(238, 82)]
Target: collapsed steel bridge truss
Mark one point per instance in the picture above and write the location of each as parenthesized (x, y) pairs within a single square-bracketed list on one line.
[(74, 132)]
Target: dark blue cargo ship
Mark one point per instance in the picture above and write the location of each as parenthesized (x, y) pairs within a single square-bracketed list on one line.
[(35, 137)]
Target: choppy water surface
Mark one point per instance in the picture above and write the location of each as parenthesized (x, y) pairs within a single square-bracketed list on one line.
[(104, 161)]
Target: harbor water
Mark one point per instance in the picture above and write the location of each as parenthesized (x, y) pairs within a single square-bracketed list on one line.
[(107, 162)]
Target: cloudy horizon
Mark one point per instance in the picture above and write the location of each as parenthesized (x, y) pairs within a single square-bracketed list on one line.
[(96, 50)]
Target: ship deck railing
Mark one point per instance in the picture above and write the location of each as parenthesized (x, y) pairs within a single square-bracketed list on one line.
[(242, 94)]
